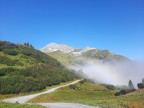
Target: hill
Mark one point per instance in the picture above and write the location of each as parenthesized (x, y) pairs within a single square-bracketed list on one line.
[(24, 69)]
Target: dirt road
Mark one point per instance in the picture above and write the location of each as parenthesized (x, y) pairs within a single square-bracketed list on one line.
[(66, 105), (24, 99)]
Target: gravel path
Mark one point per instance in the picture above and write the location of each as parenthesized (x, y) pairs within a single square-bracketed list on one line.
[(65, 105), (24, 99)]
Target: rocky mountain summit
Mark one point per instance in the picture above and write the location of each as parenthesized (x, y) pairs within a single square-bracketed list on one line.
[(52, 47)]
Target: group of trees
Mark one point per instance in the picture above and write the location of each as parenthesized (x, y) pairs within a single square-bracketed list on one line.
[(126, 90), (130, 88), (27, 44)]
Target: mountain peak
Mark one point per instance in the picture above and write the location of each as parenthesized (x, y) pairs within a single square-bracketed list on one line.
[(56, 47), (52, 43), (89, 48)]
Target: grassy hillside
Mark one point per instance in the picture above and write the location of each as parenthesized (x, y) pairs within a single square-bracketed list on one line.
[(17, 105), (64, 58), (24, 69), (69, 58), (102, 54), (91, 94)]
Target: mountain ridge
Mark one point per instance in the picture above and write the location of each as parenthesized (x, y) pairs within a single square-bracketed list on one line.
[(71, 54)]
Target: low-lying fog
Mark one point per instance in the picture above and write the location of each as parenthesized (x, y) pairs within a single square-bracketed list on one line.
[(115, 72)]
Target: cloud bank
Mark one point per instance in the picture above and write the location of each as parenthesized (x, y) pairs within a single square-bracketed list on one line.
[(114, 72)]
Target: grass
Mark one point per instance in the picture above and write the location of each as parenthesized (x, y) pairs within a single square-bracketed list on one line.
[(17, 105), (95, 95), (64, 58), (24, 94)]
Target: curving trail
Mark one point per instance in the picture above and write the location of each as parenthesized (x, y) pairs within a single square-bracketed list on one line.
[(24, 99)]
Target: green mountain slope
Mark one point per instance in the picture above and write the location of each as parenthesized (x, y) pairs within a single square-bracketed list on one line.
[(64, 58), (24, 69), (93, 54), (102, 54)]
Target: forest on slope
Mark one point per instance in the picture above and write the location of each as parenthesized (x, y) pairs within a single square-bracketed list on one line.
[(24, 69)]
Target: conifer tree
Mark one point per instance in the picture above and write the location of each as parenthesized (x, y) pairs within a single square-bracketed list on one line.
[(130, 85), (25, 43), (31, 46), (143, 80)]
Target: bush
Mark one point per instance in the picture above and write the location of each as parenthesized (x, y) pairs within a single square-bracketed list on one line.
[(9, 62), (27, 53), (1, 48), (140, 85), (111, 87), (73, 86), (7, 45), (123, 92), (32, 78), (5, 71), (10, 52)]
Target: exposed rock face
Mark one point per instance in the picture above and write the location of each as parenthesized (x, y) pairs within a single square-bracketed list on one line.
[(56, 47)]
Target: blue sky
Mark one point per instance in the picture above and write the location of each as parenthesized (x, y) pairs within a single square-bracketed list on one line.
[(117, 25)]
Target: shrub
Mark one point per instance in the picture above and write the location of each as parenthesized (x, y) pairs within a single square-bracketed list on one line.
[(27, 53), (1, 48), (10, 52), (5, 71), (73, 86), (111, 87), (46, 71), (9, 62), (7, 45), (140, 85), (83, 81), (123, 92)]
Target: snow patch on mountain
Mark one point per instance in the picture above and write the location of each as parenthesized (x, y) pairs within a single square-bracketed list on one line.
[(56, 47), (78, 53)]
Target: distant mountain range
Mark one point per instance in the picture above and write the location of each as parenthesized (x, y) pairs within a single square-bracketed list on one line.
[(66, 53)]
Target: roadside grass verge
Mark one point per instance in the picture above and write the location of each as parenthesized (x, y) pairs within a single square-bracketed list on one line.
[(92, 94), (34, 92), (17, 105)]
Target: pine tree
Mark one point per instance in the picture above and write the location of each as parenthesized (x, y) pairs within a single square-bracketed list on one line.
[(25, 43), (143, 80), (31, 46), (130, 85)]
